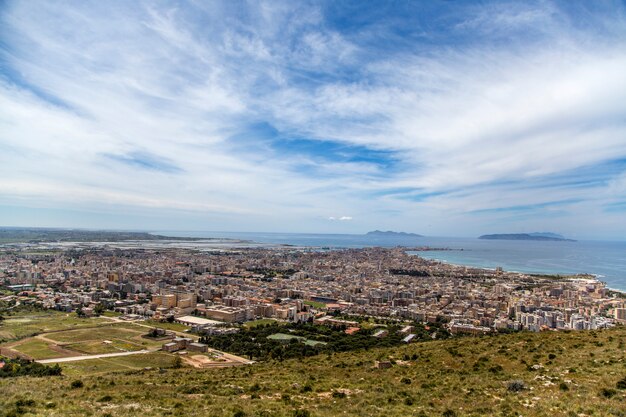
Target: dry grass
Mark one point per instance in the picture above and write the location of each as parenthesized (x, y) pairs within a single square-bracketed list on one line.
[(562, 374)]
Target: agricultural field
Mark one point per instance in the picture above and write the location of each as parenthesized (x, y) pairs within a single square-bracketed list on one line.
[(527, 374)]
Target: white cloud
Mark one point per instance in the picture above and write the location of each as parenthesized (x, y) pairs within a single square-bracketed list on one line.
[(184, 86)]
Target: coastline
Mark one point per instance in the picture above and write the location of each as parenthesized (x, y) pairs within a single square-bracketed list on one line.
[(595, 279)]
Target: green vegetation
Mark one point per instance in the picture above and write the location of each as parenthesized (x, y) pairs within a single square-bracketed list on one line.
[(177, 327), (504, 375), (37, 349), (315, 304), (107, 337), (256, 342), (260, 322), (118, 364), (20, 367), (20, 324), (288, 338)]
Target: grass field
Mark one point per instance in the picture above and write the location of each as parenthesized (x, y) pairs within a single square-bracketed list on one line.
[(117, 364), (101, 333), (37, 349), (95, 347), (260, 322), (315, 304), (27, 324), (123, 337), (177, 327), (558, 374)]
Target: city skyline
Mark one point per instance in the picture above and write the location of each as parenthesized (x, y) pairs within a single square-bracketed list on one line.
[(428, 117)]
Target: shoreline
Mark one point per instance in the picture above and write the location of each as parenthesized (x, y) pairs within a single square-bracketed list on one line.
[(596, 277)]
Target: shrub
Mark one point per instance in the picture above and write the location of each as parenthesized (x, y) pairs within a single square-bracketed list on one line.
[(607, 392), (104, 398), (406, 381), (551, 356), (239, 413), (77, 384), (516, 386), (621, 384), (448, 413), (339, 394), (563, 386), (301, 413)]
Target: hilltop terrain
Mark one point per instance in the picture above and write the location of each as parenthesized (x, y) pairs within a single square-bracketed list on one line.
[(529, 374)]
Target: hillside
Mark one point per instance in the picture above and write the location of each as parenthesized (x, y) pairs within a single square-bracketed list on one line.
[(559, 374)]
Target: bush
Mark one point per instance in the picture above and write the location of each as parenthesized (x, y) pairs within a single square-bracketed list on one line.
[(621, 384), (104, 399), (563, 386), (607, 392), (406, 381), (516, 386), (339, 394), (77, 384), (301, 413)]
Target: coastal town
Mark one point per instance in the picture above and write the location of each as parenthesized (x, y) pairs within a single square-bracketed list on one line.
[(212, 292)]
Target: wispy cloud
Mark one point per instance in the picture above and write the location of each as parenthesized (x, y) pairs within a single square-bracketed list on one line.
[(452, 117)]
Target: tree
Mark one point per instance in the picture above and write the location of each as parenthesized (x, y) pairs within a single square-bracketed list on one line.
[(178, 363), (99, 309)]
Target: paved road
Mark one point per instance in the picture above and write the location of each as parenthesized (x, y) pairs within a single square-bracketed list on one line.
[(102, 355)]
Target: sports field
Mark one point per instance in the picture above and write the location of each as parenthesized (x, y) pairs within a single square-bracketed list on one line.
[(106, 338)]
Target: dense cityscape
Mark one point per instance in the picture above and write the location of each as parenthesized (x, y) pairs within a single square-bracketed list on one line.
[(207, 290)]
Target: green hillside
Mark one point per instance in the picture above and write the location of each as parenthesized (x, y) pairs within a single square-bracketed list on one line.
[(527, 374)]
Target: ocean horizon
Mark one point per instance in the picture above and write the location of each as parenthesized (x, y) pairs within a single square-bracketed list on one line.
[(604, 259)]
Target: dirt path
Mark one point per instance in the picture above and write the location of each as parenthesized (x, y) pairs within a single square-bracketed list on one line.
[(100, 356)]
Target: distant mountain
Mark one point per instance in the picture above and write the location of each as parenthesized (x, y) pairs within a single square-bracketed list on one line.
[(389, 233), (546, 236)]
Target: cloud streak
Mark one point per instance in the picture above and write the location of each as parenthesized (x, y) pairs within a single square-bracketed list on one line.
[(265, 116)]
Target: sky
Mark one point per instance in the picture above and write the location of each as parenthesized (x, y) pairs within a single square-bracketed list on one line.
[(444, 118)]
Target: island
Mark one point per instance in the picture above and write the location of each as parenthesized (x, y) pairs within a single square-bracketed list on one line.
[(389, 233), (553, 237)]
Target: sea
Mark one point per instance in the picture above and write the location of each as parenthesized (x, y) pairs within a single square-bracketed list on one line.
[(604, 259)]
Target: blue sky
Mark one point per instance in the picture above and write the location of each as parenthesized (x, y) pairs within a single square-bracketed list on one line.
[(436, 117)]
